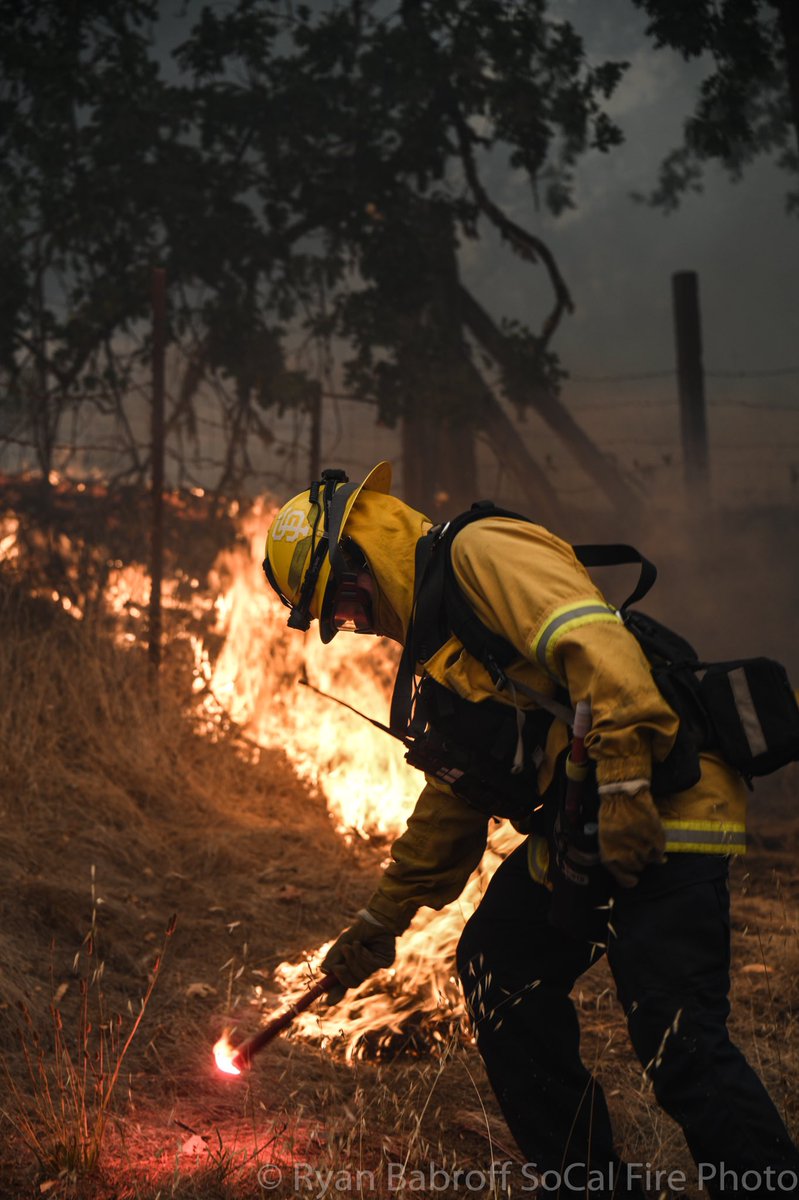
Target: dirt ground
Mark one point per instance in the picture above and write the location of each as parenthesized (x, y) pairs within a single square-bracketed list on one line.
[(120, 811)]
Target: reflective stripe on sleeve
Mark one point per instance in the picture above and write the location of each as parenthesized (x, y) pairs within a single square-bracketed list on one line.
[(564, 620), (705, 837)]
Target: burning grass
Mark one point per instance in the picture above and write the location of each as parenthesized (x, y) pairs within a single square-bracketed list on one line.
[(368, 789), (260, 815)]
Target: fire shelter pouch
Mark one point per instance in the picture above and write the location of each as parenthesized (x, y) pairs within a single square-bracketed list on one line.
[(754, 713)]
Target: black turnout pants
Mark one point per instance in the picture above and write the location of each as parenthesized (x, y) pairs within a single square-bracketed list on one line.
[(669, 954)]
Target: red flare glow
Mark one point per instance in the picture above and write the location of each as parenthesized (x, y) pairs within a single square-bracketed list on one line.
[(223, 1056)]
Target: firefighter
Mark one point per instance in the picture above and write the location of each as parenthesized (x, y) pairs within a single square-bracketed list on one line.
[(347, 555)]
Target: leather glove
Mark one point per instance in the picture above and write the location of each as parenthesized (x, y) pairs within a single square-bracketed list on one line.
[(631, 834), (357, 953)]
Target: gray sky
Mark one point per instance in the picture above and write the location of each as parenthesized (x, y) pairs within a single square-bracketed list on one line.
[(618, 257)]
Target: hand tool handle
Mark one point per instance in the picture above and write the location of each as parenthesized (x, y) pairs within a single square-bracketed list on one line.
[(245, 1053)]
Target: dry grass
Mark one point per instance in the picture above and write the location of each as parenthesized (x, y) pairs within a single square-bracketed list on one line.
[(98, 779), (62, 1104)]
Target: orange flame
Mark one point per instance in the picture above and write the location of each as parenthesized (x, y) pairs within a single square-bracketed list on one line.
[(370, 790), (368, 787), (223, 1056)]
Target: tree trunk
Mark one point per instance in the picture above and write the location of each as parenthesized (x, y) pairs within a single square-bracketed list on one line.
[(418, 457), (438, 462), (441, 402), (447, 399), (458, 467), (521, 391), (511, 451)]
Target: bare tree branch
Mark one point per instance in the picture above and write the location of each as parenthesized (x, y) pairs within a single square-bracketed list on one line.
[(525, 244), (522, 391)]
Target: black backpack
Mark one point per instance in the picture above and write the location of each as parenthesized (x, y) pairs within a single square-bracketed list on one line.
[(746, 709)]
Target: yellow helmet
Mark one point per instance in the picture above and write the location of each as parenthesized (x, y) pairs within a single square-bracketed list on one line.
[(303, 546)]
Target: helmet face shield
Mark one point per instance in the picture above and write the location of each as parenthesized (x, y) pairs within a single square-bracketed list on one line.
[(352, 610), (348, 603)]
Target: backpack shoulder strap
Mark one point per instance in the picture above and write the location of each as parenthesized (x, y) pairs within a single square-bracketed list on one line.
[(482, 643), (489, 648), (402, 697), (616, 554), (441, 609)]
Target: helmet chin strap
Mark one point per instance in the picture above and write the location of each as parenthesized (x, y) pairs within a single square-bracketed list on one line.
[(300, 615), (335, 488), (336, 498)]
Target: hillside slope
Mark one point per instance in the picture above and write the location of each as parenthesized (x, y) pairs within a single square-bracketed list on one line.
[(118, 802)]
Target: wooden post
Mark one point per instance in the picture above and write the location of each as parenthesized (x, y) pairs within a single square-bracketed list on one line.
[(157, 472), (691, 381)]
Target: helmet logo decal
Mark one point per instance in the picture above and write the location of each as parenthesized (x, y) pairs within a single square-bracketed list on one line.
[(291, 526), (298, 560)]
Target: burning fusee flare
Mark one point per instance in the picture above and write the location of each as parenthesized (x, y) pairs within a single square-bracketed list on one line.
[(234, 1063), (224, 1054)]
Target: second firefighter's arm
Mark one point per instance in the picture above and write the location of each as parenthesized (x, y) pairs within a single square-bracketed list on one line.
[(432, 860)]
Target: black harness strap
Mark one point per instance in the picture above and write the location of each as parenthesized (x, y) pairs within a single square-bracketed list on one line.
[(336, 498), (430, 628), (616, 554), (441, 609), (402, 696)]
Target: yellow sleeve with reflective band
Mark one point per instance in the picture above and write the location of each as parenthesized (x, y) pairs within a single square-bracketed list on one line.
[(630, 721), (562, 621), (527, 585), (432, 860)]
